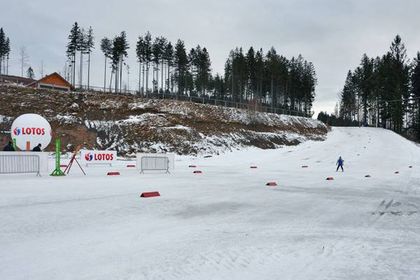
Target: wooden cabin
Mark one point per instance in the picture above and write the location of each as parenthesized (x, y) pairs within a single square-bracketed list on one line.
[(52, 81)]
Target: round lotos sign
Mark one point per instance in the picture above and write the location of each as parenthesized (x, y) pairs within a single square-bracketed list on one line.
[(32, 129)]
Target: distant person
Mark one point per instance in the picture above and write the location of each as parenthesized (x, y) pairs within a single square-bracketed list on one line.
[(340, 163), (9, 147), (37, 148)]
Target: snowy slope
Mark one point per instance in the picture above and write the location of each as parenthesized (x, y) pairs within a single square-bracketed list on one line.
[(225, 223)]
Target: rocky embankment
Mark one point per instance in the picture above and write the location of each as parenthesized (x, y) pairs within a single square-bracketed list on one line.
[(131, 124)]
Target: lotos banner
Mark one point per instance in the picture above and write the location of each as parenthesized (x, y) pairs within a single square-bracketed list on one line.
[(98, 157)]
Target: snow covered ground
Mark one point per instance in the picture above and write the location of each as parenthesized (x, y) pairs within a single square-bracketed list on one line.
[(225, 223)]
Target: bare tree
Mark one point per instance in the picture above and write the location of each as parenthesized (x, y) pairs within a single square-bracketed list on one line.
[(24, 59)]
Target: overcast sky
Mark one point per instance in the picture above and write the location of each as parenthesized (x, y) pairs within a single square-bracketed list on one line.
[(333, 34)]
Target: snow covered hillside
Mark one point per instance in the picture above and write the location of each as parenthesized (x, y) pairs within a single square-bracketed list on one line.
[(225, 223), (130, 124)]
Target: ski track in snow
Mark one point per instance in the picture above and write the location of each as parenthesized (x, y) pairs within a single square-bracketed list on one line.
[(225, 223)]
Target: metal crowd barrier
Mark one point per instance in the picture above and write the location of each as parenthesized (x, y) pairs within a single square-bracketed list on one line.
[(154, 163), (19, 164)]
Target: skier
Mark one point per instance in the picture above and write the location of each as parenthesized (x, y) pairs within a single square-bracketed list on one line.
[(9, 147), (340, 163), (37, 148)]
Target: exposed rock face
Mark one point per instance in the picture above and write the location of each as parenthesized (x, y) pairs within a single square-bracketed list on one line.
[(130, 124)]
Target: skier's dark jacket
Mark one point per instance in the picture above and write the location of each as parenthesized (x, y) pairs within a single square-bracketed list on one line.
[(36, 149)]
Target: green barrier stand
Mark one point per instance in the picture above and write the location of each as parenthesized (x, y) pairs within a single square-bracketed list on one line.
[(57, 171)]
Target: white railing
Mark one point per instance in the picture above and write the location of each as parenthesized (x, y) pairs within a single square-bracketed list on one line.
[(23, 163), (155, 162)]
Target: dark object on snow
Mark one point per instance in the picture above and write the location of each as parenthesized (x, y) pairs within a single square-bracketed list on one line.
[(340, 163), (9, 147), (37, 148), (150, 194)]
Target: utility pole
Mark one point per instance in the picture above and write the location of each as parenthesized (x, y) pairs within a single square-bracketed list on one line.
[(23, 59), (41, 69)]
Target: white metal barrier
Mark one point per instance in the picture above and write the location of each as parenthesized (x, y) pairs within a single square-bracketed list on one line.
[(23, 162), (155, 162)]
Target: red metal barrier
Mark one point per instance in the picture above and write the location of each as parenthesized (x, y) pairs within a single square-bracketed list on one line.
[(150, 194)]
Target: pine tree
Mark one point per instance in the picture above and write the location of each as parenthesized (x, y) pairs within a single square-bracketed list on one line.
[(72, 47), (89, 45), (119, 52), (228, 77), (162, 46), (309, 82), (204, 71), (415, 91), (158, 48), (239, 75), (193, 62), (401, 79), (348, 98), (181, 64), (7, 55), (259, 74), (3, 49), (365, 82), (219, 87), (106, 48), (293, 82), (140, 53), (273, 71), (4, 52), (147, 56), (81, 48), (169, 57), (252, 72)]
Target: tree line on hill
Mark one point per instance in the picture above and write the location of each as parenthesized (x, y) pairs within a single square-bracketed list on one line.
[(4, 52), (165, 68), (251, 78), (336, 120), (80, 43), (384, 91)]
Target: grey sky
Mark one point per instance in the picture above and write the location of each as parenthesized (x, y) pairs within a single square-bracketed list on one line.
[(331, 34)]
